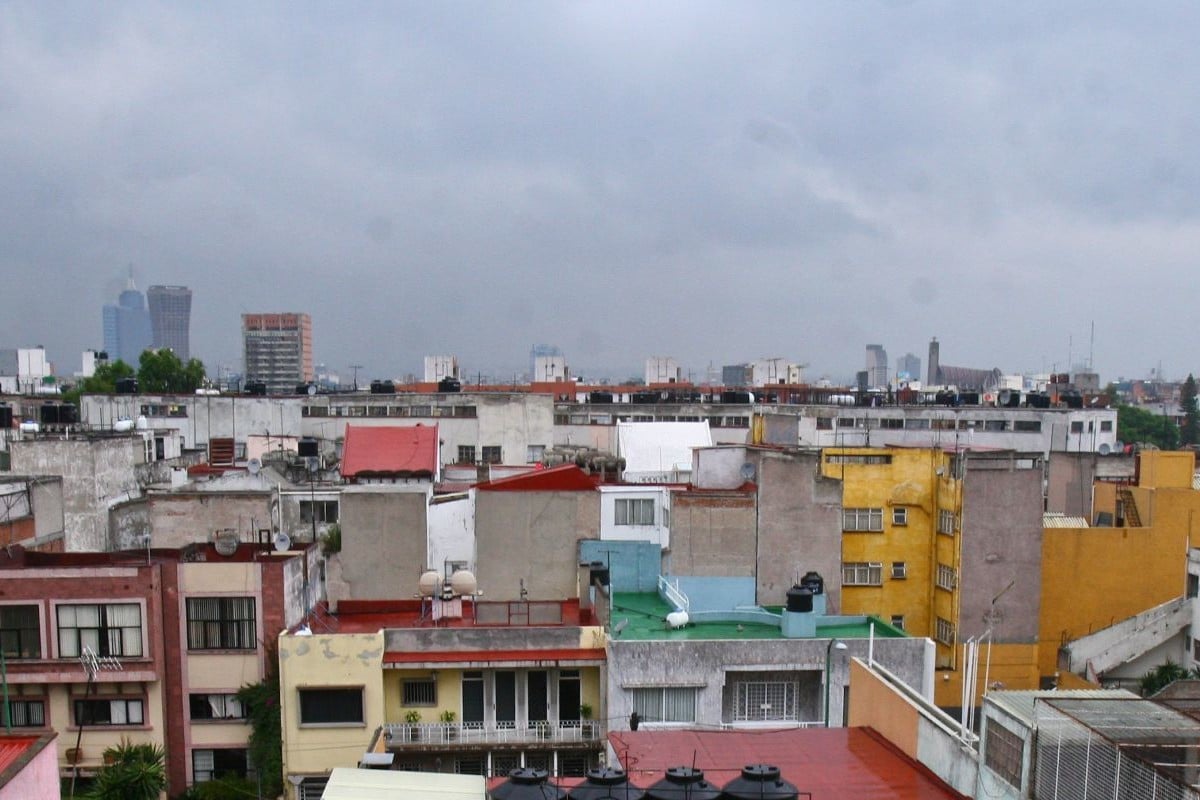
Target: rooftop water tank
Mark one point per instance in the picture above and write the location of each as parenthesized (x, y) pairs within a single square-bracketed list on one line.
[(760, 782), (527, 783), (683, 783), (800, 600), (813, 582), (606, 783)]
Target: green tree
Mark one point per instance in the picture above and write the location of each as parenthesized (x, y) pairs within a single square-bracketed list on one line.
[(1138, 426), (1190, 434), (1160, 677), (130, 772), (103, 381), (161, 371), (261, 701)]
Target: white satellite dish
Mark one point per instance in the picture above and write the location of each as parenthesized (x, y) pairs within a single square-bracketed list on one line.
[(226, 543), (748, 471), (253, 466), (1104, 448), (282, 541), (312, 389)]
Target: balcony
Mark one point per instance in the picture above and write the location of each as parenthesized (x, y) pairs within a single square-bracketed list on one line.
[(430, 735)]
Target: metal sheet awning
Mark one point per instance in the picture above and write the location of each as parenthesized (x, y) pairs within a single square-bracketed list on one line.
[(377, 784)]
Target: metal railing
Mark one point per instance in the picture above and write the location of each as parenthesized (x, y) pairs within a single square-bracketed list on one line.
[(673, 594), (405, 734)]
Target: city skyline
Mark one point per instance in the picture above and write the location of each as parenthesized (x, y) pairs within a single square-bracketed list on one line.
[(720, 183)]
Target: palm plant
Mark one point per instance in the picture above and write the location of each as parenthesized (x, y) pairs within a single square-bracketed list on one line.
[(131, 772)]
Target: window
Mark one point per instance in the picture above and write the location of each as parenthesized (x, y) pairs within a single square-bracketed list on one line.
[(1077, 426), (947, 577), (326, 510), (899, 570), (221, 623), (899, 516), (668, 704), (121, 711), (824, 423), (762, 701), (916, 424), (947, 523), (466, 454), (898, 621), (891, 423), (492, 454), (862, 519), (108, 629), (331, 706), (737, 422), (27, 713), (534, 453), (313, 788), (419, 692), (216, 706), (845, 422), (1106, 425), (20, 632), (210, 764), (995, 425), (635, 512), (1002, 753), (1027, 425), (862, 573), (857, 459), (944, 631), (1193, 585)]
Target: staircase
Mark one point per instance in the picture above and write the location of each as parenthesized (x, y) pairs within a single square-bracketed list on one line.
[(1129, 507)]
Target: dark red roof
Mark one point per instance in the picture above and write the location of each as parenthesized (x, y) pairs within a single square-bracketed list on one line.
[(564, 478), (497, 656), (410, 450), (830, 763), (13, 748)]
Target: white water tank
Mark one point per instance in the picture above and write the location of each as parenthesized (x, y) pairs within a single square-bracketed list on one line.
[(123, 425)]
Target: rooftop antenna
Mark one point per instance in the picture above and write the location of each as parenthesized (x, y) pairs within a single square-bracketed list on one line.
[(93, 664)]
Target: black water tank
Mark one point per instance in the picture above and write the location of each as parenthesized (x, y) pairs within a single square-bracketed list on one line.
[(6, 417), (599, 572), (48, 414), (760, 781), (447, 386), (600, 398), (683, 783), (307, 448), (813, 582), (799, 600), (641, 398), (257, 388), (606, 783), (127, 386), (527, 783), (68, 414)]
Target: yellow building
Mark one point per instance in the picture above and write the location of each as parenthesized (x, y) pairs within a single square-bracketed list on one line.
[(392, 689)]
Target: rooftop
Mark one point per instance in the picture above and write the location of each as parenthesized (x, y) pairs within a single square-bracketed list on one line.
[(391, 450), (647, 613), (372, 616)]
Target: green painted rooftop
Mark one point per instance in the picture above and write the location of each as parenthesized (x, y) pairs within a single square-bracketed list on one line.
[(646, 614)]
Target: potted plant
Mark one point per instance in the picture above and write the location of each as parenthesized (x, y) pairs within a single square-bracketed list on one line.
[(448, 717), (587, 727), (413, 718)]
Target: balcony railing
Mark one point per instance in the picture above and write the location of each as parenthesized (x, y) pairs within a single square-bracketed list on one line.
[(446, 734)]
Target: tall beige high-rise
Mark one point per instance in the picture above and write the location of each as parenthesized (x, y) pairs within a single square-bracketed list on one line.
[(277, 350)]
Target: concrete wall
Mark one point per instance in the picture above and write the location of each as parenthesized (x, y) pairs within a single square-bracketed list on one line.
[(451, 531), (384, 534), (1069, 479), (711, 593), (532, 536), (38, 777), (712, 534), (633, 566), (177, 519)]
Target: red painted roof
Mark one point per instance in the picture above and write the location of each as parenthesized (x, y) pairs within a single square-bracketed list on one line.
[(13, 747), (449, 657), (564, 478), (831, 763), (390, 450)]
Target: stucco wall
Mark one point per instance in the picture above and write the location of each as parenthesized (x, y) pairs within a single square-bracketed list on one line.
[(534, 536), (38, 778), (712, 534), (452, 531), (178, 519), (383, 540)]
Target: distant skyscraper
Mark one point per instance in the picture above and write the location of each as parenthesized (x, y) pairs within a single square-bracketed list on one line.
[(908, 367), (277, 350), (127, 326), (877, 366), (170, 316)]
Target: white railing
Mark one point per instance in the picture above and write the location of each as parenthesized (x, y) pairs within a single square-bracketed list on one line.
[(774, 723), (404, 734), (674, 594)]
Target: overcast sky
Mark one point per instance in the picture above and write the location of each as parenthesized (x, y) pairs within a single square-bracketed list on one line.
[(715, 182)]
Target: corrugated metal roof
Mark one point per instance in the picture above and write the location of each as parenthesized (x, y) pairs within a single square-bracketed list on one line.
[(390, 450), (1020, 704), (829, 763), (379, 784), (1054, 519)]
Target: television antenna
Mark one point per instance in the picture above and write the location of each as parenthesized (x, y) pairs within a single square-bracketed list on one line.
[(93, 664)]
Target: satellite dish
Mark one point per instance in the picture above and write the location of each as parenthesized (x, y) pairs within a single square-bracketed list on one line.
[(430, 583), (748, 471), (463, 582), (282, 542), (312, 389), (1104, 449), (226, 543), (253, 466)]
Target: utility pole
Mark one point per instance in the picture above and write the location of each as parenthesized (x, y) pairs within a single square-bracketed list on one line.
[(356, 368)]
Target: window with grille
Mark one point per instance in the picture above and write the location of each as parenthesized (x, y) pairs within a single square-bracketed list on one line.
[(20, 632), (325, 510), (1003, 753), (899, 516), (898, 621), (27, 713), (119, 711), (419, 692), (215, 706), (492, 454), (763, 701), (343, 705), (899, 570), (666, 704), (635, 512), (466, 454), (862, 573), (947, 523), (221, 623), (470, 766), (312, 788), (947, 577), (944, 631), (574, 765), (220, 763), (107, 629), (862, 519), (504, 763)]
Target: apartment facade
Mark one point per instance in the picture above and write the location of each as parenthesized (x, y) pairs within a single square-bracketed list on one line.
[(277, 350), (170, 318)]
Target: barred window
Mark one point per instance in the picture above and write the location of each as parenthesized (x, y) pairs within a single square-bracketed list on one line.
[(108, 629), (862, 573), (635, 512), (862, 519), (944, 631), (466, 454), (419, 692), (764, 701), (898, 621), (492, 454), (221, 623), (947, 577), (667, 704), (1003, 753), (947, 522)]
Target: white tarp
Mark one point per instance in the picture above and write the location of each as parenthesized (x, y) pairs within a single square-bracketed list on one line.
[(660, 452), (384, 784)]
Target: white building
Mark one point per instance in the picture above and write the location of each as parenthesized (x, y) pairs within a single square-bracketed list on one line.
[(439, 367), (550, 369), (22, 370), (662, 369), (636, 513)]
